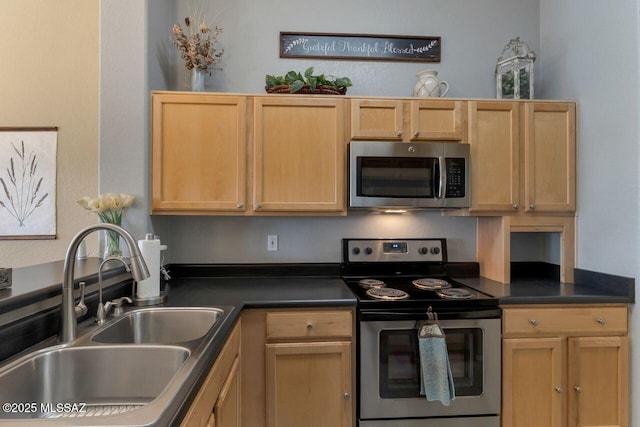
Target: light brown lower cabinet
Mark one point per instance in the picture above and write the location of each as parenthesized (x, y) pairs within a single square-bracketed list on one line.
[(217, 404), (298, 367), (565, 366)]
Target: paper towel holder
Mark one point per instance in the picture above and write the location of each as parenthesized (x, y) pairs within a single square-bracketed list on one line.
[(162, 296)]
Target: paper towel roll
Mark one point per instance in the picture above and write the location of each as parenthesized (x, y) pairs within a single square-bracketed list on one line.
[(150, 249)]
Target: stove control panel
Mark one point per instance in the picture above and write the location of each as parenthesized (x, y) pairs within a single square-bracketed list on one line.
[(395, 250)]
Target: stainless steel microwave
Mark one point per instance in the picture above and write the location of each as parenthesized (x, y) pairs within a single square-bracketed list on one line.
[(387, 175)]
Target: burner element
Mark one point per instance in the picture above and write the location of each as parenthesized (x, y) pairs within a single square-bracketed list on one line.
[(371, 283), (431, 284), (387, 293), (456, 293)]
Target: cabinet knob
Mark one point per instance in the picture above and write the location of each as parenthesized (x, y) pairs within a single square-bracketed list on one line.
[(534, 322), (516, 206), (258, 205), (416, 133), (399, 133), (532, 206), (309, 326), (240, 206), (601, 320), (559, 389), (577, 389), (347, 396)]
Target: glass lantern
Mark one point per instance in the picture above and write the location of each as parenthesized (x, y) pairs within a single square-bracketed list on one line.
[(514, 71)]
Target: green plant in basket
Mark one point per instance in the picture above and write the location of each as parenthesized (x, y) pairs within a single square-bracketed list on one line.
[(297, 81)]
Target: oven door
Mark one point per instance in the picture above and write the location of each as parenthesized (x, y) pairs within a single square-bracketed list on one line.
[(390, 369)]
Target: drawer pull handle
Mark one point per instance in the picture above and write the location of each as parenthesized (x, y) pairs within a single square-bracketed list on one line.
[(309, 326), (577, 389), (559, 389), (601, 320), (347, 396), (534, 322)]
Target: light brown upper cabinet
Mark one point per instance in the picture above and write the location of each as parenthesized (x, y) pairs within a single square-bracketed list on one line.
[(407, 120), (495, 148), (522, 157), (202, 161), (198, 153), (549, 157), (299, 151)]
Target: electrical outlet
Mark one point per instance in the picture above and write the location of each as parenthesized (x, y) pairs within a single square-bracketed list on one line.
[(272, 242)]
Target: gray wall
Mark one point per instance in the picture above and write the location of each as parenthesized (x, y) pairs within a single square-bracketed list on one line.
[(473, 35), (591, 54)]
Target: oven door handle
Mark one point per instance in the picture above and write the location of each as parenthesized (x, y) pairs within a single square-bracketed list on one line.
[(372, 316)]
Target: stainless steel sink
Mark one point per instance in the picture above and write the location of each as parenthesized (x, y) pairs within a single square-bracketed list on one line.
[(97, 380), (137, 370), (160, 326)]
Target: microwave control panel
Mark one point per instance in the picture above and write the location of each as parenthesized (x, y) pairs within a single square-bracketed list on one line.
[(455, 177)]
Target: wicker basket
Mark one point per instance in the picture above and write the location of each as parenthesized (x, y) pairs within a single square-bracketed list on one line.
[(306, 89)]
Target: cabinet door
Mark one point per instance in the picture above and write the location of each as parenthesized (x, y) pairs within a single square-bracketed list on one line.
[(550, 157), (533, 383), (436, 120), (227, 408), (309, 384), (199, 153), (599, 381), (377, 119), (494, 138), (299, 155)]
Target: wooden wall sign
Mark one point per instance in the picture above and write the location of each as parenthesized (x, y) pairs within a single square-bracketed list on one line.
[(360, 47)]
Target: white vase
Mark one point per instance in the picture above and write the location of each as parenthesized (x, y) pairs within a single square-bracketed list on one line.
[(429, 86), (197, 79)]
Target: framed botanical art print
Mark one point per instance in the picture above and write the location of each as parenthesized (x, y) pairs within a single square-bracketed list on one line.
[(28, 183)]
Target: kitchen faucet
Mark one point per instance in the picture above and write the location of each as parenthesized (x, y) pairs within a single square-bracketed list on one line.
[(139, 272), (103, 309)]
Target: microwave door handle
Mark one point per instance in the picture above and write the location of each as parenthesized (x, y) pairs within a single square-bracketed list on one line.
[(442, 185), (435, 178)]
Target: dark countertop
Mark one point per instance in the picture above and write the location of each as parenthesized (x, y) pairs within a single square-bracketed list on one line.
[(589, 288), (261, 292)]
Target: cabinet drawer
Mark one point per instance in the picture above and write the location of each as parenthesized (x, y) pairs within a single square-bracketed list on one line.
[(309, 324), (592, 320)]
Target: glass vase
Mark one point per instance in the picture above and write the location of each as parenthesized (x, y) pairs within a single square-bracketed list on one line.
[(112, 243), (197, 79)]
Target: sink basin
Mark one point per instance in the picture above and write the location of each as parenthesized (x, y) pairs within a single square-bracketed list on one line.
[(160, 326), (99, 380)]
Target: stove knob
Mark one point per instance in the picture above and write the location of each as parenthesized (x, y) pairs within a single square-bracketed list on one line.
[(356, 250), (368, 251), (423, 250), (435, 250)]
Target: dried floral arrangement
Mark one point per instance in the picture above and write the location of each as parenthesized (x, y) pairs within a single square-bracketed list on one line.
[(198, 45)]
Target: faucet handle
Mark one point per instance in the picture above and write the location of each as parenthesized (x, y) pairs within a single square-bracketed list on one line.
[(81, 309), (117, 304)]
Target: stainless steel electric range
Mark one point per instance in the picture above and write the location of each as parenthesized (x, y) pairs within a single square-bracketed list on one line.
[(396, 282)]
